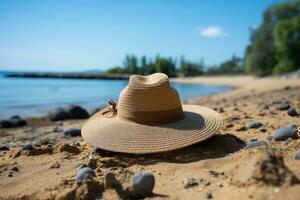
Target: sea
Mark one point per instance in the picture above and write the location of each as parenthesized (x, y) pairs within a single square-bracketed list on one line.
[(35, 97)]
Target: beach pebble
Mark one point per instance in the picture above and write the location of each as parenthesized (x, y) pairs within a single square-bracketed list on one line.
[(189, 182), (297, 156), (207, 183), (233, 118), (14, 169), (4, 148), (73, 132), (27, 147), (59, 114), (14, 121), (83, 173), (263, 130), (255, 144), (77, 112), (254, 124), (282, 106), (284, 133), (143, 184), (270, 137), (219, 109), (213, 173), (208, 195), (57, 129), (110, 180), (287, 141), (17, 121), (5, 124), (292, 112)]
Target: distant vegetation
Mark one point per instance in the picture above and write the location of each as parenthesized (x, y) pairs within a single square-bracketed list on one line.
[(144, 65), (275, 44), (173, 67), (274, 49)]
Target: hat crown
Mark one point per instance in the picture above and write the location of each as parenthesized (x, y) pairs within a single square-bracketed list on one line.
[(149, 100)]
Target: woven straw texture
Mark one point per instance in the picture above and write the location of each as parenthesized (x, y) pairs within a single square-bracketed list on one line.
[(149, 118), (118, 135)]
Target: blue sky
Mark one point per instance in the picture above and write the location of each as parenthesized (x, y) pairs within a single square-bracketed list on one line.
[(81, 35)]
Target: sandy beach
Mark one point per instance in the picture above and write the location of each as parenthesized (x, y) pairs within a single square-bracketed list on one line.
[(223, 167)]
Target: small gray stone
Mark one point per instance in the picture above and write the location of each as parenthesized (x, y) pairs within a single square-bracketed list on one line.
[(27, 147), (59, 114), (5, 124), (77, 112), (213, 173), (17, 121), (292, 112), (110, 180), (207, 183), (282, 106), (189, 182), (297, 156), (274, 149), (57, 129), (233, 118), (208, 195), (263, 130), (14, 169), (284, 133), (4, 148), (270, 137), (254, 124), (73, 132), (83, 173), (287, 141), (143, 184), (255, 144)]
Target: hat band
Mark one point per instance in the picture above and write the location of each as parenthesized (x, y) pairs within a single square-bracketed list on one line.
[(152, 117)]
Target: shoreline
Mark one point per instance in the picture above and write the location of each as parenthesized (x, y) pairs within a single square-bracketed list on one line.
[(90, 100), (240, 85), (99, 76)]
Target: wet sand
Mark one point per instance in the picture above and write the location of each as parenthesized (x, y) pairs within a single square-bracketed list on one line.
[(219, 168)]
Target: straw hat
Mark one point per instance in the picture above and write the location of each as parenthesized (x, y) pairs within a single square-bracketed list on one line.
[(150, 118)]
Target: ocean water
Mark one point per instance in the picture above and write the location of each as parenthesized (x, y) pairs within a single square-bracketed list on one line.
[(29, 97)]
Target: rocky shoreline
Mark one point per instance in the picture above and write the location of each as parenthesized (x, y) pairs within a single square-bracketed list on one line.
[(256, 155), (70, 75)]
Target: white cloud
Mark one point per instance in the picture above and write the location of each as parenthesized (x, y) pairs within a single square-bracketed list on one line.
[(213, 32)]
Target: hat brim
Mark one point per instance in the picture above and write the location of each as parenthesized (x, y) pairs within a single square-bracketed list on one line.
[(113, 134)]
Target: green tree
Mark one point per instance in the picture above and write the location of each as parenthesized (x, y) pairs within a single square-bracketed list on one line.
[(231, 66), (165, 66), (130, 64), (116, 70), (191, 69), (287, 43), (260, 58)]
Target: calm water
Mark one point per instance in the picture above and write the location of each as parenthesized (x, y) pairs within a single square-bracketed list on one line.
[(36, 97)]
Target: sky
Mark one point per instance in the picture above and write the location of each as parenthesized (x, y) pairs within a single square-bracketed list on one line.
[(65, 35)]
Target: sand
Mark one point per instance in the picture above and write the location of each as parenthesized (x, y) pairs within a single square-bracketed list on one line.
[(220, 168)]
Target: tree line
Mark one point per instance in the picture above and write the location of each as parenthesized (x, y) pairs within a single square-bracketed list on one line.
[(275, 45), (274, 48), (175, 67)]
